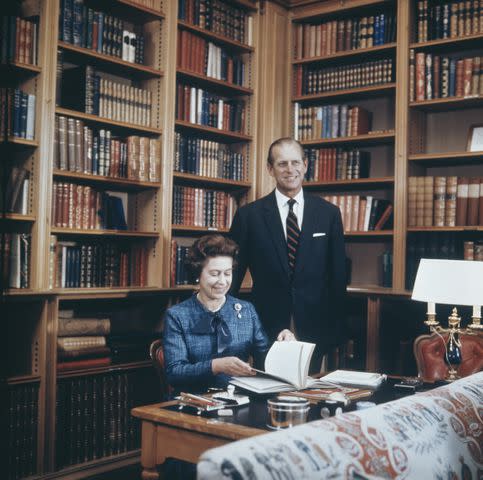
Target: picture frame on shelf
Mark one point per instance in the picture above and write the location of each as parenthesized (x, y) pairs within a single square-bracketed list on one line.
[(475, 138)]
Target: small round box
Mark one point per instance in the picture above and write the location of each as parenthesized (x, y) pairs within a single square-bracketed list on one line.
[(286, 412)]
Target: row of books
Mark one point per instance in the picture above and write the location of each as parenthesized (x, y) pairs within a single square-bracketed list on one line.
[(432, 76), (436, 20), (441, 245), (15, 197), (329, 37), (85, 27), (93, 414), (330, 121), (473, 250), (179, 273), (85, 89), (19, 39), (218, 17), (208, 158), (87, 264), (200, 207), (326, 164), (445, 201), (311, 80), (81, 148), (363, 213), (200, 107), (21, 420), (200, 56), (84, 207), (16, 267), (17, 114)]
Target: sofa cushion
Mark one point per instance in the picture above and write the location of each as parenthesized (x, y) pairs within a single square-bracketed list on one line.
[(435, 434)]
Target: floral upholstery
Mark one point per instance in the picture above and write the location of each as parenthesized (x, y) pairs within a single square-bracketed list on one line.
[(431, 435)]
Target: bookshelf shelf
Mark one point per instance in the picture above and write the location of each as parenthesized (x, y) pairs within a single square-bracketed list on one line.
[(447, 104), (227, 42), (96, 467), (127, 8), (221, 86), (349, 54), (18, 217), (371, 233), (103, 233), (214, 133), (20, 142), (111, 368), (17, 380), (115, 64), (188, 229), (355, 289), (247, 4), (450, 44), (382, 182), (366, 139), (447, 158), (17, 68), (108, 182), (189, 178), (466, 228), (366, 92), (103, 292), (95, 119)]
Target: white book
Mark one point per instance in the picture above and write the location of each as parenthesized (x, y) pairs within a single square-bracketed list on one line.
[(355, 379), (296, 113), (24, 205), (29, 131), (249, 30), (286, 368), (199, 106), (126, 41), (220, 114), (193, 92), (367, 215)]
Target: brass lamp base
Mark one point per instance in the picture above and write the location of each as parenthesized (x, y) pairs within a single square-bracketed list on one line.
[(431, 320), (475, 324)]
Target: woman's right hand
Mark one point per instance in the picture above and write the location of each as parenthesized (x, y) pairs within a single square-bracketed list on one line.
[(231, 366)]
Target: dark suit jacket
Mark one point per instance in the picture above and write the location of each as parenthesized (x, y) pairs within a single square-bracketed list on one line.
[(315, 293)]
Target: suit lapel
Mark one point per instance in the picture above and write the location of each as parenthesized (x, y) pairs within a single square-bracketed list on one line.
[(274, 224), (308, 225)]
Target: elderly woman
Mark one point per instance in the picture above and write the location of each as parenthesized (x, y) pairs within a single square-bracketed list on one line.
[(209, 337)]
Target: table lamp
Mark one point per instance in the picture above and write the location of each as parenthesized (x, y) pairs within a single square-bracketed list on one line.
[(451, 282)]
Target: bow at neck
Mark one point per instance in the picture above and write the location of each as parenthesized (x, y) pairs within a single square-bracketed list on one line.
[(213, 323)]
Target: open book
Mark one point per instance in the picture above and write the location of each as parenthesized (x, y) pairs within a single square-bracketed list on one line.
[(286, 368), (355, 379)]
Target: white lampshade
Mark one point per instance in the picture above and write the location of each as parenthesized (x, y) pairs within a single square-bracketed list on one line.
[(451, 282)]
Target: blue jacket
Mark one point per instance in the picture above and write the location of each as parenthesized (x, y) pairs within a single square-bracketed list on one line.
[(190, 342)]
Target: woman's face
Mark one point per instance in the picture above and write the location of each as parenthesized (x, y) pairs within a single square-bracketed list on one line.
[(216, 277)]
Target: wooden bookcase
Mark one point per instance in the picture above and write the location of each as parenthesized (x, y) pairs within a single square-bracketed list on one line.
[(207, 60)]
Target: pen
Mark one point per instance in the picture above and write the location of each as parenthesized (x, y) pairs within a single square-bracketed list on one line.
[(199, 399)]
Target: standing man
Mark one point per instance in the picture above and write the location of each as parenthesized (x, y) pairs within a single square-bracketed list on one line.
[(293, 244)]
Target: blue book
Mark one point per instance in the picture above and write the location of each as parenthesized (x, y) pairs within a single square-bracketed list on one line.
[(90, 22), (17, 112), (100, 30), (452, 77)]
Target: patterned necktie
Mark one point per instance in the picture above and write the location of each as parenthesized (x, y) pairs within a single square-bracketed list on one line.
[(293, 235)]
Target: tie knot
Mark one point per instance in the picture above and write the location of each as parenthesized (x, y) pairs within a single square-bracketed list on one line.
[(291, 203)]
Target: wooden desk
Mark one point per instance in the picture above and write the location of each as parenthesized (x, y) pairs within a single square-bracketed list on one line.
[(173, 434)]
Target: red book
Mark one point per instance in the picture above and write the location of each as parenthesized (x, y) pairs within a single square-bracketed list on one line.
[(473, 201), (83, 364), (462, 201)]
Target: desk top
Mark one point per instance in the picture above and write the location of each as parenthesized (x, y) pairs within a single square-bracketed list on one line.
[(248, 420)]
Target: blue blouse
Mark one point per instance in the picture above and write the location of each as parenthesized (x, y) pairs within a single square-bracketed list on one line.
[(190, 341)]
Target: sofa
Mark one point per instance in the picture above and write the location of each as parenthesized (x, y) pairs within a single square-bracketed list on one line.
[(437, 434)]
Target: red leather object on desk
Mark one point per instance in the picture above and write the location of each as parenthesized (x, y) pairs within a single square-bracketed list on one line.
[(429, 351)]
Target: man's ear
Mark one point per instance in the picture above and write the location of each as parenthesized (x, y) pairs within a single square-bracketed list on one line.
[(270, 169)]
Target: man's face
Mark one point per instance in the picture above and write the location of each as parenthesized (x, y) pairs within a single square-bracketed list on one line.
[(288, 168)]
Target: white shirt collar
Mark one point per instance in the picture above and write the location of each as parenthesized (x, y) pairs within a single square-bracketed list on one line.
[(283, 199)]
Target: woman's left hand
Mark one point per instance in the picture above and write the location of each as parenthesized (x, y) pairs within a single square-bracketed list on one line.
[(286, 336)]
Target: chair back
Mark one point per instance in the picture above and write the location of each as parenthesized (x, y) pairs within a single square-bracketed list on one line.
[(430, 351), (156, 354)]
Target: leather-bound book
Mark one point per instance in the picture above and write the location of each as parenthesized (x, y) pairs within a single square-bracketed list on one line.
[(460, 78), (420, 77), (436, 76), (462, 201), (439, 201), (428, 201), (450, 201), (473, 201), (467, 76)]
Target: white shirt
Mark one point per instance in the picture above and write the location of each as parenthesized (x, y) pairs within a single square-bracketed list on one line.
[(283, 208)]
